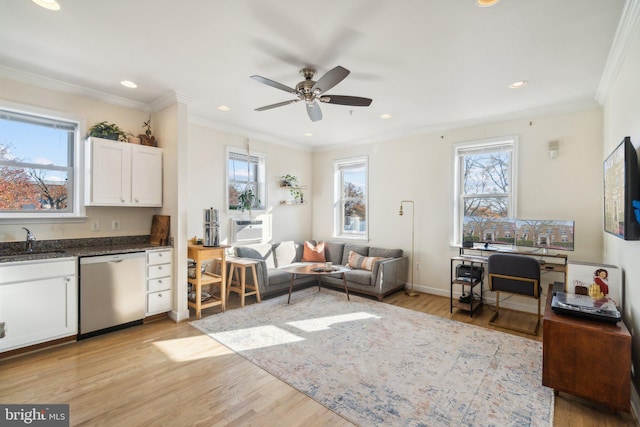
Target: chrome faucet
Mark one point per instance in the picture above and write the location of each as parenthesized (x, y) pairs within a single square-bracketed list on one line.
[(30, 239)]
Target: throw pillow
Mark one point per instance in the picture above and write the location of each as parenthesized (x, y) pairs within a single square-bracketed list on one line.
[(360, 262), (313, 253)]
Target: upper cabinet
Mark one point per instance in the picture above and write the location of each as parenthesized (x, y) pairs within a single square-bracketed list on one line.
[(122, 174)]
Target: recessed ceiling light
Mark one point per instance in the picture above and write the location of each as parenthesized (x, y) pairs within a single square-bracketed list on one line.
[(223, 108), (385, 116), (129, 84), (48, 4), (308, 134), (518, 84), (486, 3)]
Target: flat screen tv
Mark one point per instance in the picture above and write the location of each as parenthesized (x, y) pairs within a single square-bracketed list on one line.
[(620, 189)]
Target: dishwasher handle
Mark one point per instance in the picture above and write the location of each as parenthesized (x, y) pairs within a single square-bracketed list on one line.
[(111, 258)]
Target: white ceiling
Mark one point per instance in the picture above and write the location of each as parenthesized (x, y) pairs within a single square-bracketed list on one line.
[(429, 63)]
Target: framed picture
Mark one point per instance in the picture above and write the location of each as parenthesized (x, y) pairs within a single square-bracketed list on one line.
[(621, 185), (599, 281)]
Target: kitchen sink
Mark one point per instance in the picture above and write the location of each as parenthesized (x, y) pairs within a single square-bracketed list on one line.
[(39, 254)]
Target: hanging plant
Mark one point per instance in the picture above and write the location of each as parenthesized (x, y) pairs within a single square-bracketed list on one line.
[(247, 200)]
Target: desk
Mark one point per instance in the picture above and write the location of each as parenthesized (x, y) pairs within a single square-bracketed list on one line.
[(200, 253), (477, 257), (586, 358)]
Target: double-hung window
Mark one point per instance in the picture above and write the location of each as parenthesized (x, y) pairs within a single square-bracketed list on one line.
[(38, 176), (350, 198), (484, 181), (245, 179)]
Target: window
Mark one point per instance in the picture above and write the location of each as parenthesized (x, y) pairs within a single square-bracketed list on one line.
[(484, 187), (38, 174), (245, 174), (350, 202)]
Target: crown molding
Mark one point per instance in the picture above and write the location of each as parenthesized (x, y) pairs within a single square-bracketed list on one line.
[(629, 22), (211, 124), (170, 99), (60, 86)]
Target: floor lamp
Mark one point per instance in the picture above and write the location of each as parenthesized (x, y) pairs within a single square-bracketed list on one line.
[(410, 292)]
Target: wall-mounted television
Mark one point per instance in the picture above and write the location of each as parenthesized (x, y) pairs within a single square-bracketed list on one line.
[(621, 187)]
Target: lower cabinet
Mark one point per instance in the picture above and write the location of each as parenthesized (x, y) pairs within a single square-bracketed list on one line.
[(159, 281), (38, 301)]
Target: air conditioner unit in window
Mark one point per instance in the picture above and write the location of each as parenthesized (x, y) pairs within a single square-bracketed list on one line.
[(246, 231)]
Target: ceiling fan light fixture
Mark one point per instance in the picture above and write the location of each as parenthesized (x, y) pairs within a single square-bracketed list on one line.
[(486, 3), (519, 84), (48, 4)]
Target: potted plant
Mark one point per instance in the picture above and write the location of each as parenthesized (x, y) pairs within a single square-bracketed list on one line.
[(147, 137), (291, 181), (107, 131)]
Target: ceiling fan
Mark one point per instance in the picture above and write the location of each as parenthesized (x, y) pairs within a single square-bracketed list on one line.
[(311, 91)]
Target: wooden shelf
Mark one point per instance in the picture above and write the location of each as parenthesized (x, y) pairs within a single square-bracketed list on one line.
[(206, 279), (292, 202), (298, 187)]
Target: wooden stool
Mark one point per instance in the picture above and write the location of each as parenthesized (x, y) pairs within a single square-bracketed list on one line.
[(238, 267)]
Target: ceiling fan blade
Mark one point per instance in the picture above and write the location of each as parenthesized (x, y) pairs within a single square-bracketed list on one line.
[(314, 112), (330, 79), (355, 101), (271, 83), (279, 104)]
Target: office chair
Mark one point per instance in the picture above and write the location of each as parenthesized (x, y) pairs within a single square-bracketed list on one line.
[(515, 274)]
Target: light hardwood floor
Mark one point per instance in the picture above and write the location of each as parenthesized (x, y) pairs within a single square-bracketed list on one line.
[(167, 374)]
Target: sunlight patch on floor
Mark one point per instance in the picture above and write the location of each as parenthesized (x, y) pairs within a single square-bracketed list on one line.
[(191, 348), (256, 337), (324, 323)]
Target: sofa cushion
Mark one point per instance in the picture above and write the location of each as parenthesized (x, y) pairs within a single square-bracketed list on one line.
[(362, 277), (362, 250), (333, 252), (286, 253), (313, 253), (385, 253), (258, 251), (359, 262)]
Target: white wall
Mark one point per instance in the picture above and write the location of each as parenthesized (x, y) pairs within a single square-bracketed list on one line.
[(622, 118), (207, 183), (133, 221), (420, 169)]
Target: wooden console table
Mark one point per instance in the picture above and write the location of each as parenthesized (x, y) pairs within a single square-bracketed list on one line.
[(200, 253), (587, 358)]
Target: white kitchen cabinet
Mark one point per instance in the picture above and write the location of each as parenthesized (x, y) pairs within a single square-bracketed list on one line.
[(122, 174), (159, 281), (38, 301)]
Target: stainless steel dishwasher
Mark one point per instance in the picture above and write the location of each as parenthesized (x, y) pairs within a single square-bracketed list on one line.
[(112, 292)]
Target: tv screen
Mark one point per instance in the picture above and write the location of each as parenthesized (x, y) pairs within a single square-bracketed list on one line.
[(620, 189)]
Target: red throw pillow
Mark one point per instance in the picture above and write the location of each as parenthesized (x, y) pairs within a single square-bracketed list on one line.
[(313, 253)]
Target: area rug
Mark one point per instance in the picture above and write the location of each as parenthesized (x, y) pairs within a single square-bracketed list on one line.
[(376, 364)]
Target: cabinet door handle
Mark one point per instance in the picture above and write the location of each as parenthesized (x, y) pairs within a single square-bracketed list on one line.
[(159, 280), (136, 200), (3, 329), (159, 295)]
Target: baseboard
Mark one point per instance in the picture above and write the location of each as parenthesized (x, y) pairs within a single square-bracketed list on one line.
[(177, 316)]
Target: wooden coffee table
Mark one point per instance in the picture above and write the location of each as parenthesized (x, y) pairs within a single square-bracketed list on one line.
[(316, 269)]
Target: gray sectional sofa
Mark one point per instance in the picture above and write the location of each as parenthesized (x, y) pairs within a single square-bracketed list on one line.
[(387, 275)]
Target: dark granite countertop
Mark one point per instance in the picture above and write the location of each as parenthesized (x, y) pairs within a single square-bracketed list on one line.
[(48, 249)]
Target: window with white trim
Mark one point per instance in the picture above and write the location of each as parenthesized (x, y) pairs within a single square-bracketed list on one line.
[(245, 175), (38, 166), (484, 181), (351, 211)]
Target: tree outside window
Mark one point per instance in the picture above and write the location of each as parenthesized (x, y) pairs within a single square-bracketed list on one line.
[(36, 164), (484, 185), (245, 173), (351, 213)]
